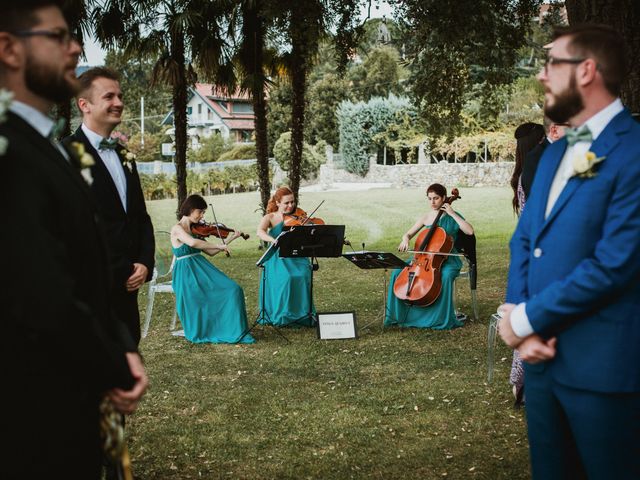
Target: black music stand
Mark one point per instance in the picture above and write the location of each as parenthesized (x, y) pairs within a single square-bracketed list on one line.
[(368, 260), (312, 241), (263, 317)]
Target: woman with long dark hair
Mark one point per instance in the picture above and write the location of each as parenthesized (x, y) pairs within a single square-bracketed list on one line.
[(527, 136)]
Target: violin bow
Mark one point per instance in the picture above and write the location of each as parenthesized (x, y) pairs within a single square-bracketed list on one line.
[(314, 211), (218, 229)]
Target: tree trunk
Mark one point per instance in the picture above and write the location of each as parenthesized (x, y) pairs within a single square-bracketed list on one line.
[(298, 87), (253, 33), (180, 115), (624, 16)]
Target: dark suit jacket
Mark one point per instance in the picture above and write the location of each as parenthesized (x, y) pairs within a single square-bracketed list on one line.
[(61, 347), (129, 234), (530, 166)]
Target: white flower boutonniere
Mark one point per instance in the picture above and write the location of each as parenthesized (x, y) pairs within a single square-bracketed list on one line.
[(127, 157), (583, 165), (84, 159), (6, 97)]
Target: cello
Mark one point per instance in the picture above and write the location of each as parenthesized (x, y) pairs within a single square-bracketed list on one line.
[(420, 282)]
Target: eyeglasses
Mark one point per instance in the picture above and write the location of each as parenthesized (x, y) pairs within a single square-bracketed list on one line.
[(62, 36), (559, 61)]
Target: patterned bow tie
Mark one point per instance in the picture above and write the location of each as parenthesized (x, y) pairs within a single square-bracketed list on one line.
[(575, 135), (108, 144), (57, 130)]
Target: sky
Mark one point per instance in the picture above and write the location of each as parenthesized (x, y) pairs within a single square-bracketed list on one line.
[(95, 55)]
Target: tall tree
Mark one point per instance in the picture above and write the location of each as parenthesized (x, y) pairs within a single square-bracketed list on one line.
[(183, 35), (624, 16), (453, 45), (251, 60)]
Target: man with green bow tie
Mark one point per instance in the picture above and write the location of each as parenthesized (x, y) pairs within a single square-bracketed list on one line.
[(117, 191), (574, 278)]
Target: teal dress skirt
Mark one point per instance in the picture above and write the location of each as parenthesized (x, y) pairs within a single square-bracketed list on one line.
[(210, 305), (441, 314), (286, 285)]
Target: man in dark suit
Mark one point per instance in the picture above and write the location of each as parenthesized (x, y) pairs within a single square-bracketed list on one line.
[(116, 190), (62, 350), (554, 132), (574, 279)]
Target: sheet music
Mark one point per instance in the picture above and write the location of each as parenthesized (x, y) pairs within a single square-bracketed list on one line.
[(271, 250)]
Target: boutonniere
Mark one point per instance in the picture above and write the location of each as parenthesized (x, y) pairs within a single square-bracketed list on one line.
[(6, 97), (127, 157), (583, 165), (84, 160)]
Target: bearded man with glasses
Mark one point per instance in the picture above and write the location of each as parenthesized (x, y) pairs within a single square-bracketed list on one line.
[(63, 350), (573, 292)]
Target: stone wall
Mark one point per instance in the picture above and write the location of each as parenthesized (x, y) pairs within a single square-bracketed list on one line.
[(418, 175)]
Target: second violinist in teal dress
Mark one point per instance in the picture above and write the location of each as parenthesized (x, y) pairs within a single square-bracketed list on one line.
[(286, 287), (210, 305), (440, 315)]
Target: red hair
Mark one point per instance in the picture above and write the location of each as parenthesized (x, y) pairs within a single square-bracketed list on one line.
[(276, 197)]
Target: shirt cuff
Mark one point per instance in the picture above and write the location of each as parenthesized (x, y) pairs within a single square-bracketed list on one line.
[(520, 322)]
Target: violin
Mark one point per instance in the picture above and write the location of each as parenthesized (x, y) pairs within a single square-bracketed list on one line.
[(420, 283), (220, 230), (299, 217)]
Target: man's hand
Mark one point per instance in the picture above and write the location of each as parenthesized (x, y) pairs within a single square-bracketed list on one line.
[(534, 349), (137, 278), (126, 401), (504, 327)]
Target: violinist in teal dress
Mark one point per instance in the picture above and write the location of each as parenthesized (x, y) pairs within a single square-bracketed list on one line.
[(440, 315), (286, 284), (210, 305)]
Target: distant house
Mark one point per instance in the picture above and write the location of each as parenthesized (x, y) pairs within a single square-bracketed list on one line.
[(210, 112)]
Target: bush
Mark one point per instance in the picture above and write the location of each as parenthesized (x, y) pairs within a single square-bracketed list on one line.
[(210, 150), (311, 160), (361, 122), (240, 151)]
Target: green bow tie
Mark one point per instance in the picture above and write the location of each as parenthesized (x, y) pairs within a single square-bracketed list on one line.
[(108, 144), (575, 135), (57, 130)]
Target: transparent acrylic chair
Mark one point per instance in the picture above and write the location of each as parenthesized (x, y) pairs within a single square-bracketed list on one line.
[(161, 279)]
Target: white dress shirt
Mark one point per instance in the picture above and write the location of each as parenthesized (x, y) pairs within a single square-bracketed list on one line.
[(111, 160), (596, 124)]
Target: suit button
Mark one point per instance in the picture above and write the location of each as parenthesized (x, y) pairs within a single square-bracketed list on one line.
[(537, 252)]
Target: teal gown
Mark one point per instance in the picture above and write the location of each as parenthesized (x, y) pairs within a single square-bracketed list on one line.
[(286, 289), (210, 305), (441, 314)]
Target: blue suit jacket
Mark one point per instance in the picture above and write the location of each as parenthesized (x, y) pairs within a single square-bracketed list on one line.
[(578, 270)]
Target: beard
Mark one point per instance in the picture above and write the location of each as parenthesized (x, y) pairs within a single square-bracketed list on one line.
[(568, 104), (48, 82)]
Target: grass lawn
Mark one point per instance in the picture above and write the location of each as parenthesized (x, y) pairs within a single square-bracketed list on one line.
[(393, 404)]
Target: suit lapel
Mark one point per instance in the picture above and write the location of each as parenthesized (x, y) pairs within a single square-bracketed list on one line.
[(602, 146), (100, 168), (49, 150)]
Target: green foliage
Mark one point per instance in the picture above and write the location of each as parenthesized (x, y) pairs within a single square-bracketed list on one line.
[(525, 102), (278, 110), (501, 146), (152, 149), (379, 75), (311, 159), (240, 151), (324, 97), (210, 150), (446, 59), (235, 178), (361, 122)]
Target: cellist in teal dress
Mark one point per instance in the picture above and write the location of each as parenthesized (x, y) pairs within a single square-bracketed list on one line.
[(440, 315), (287, 281), (210, 305)]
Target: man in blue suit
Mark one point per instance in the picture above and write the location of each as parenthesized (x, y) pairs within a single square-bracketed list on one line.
[(573, 294)]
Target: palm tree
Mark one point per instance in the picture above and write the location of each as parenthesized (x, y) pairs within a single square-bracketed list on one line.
[(184, 36)]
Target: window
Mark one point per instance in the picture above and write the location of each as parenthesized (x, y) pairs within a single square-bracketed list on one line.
[(189, 110), (199, 108), (242, 107)]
